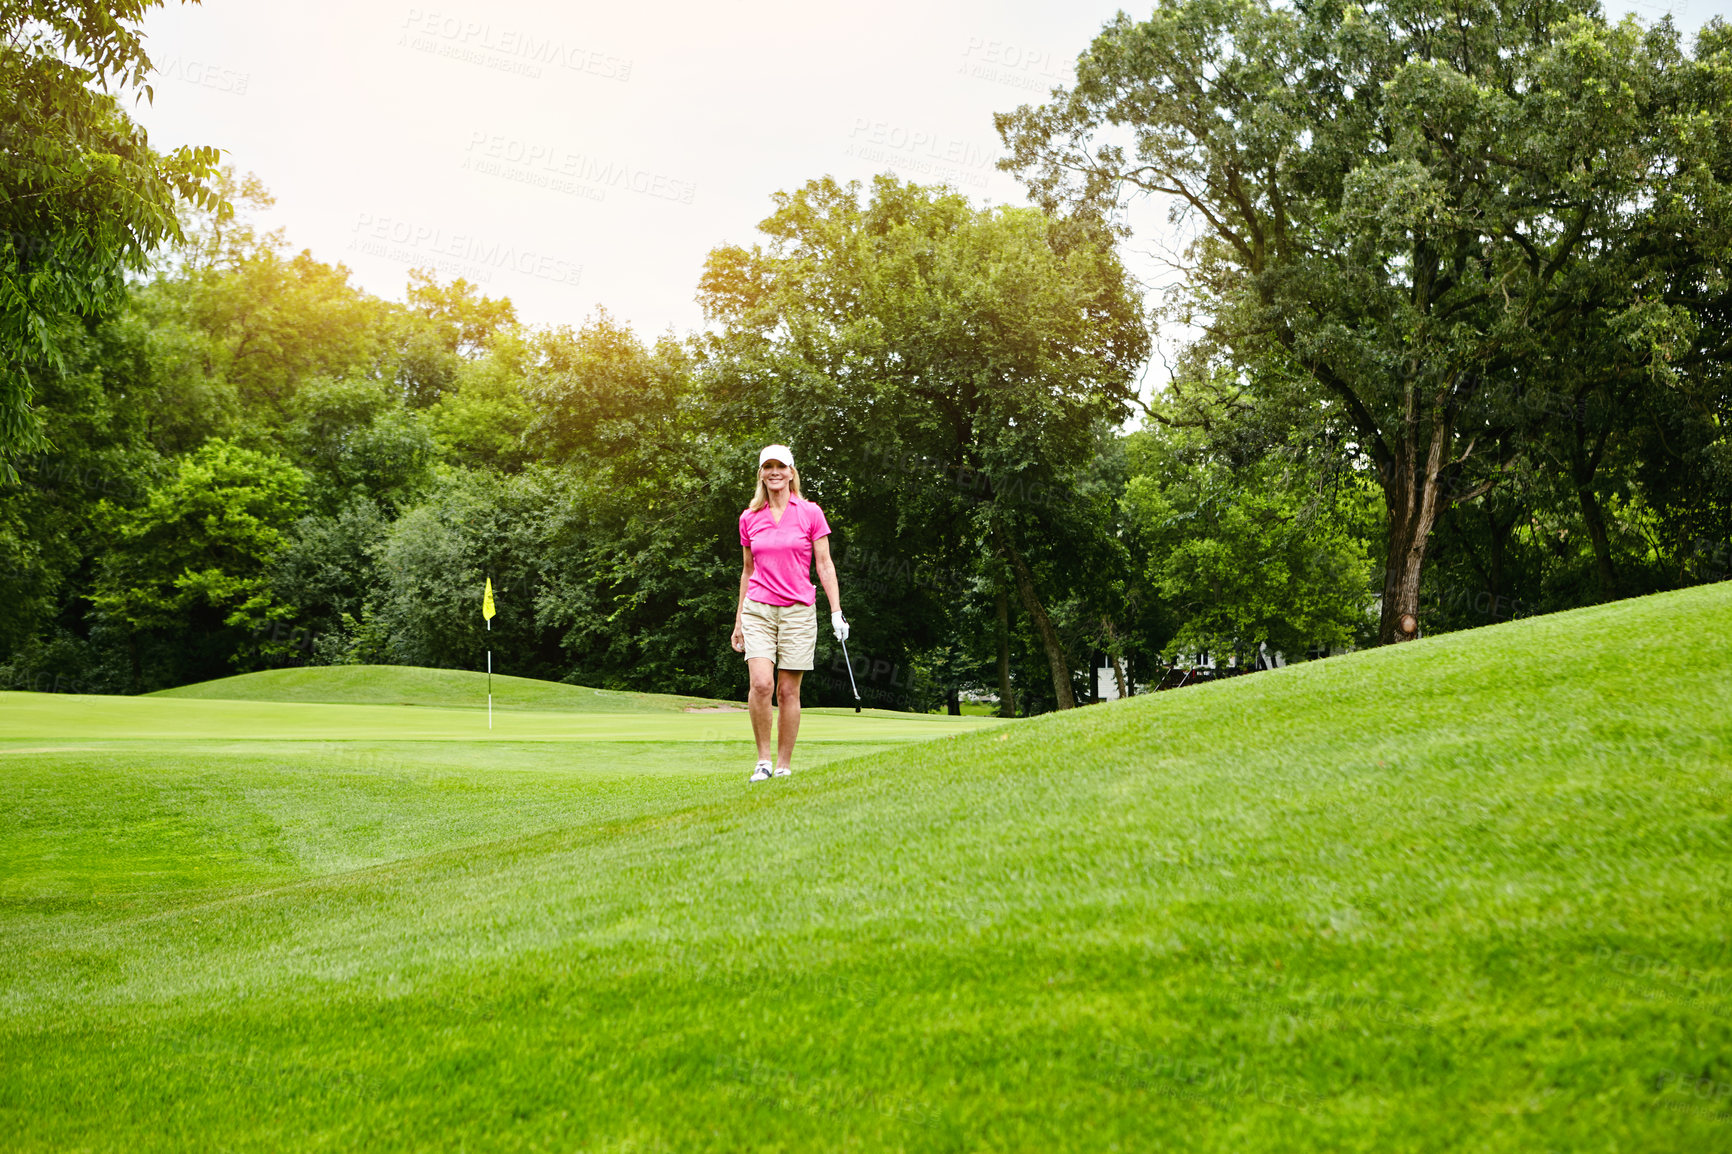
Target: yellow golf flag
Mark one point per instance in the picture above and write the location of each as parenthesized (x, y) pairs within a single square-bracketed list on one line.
[(487, 601)]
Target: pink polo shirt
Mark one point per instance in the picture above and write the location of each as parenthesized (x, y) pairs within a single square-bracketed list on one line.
[(782, 554)]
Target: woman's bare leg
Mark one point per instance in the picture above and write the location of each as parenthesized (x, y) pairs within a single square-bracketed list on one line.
[(763, 672), (788, 716)]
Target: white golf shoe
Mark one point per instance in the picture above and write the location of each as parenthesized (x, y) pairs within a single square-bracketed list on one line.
[(782, 771), (762, 773)]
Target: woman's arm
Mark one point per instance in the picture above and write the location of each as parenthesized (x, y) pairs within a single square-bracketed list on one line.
[(827, 572), (739, 638)]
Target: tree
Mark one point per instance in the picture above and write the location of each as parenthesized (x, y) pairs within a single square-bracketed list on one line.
[(268, 324), (83, 197), (465, 320), (1272, 550), (483, 418), (946, 369), (321, 584), (443, 328), (600, 392), (224, 236), (355, 438), (641, 564), (188, 567), (95, 413), (1396, 208), (436, 558)]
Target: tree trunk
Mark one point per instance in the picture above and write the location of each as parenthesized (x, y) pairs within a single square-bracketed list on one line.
[(1404, 562), (1413, 496), (1055, 656), (1584, 464), (1118, 665), (1500, 531), (1006, 695), (954, 701), (1595, 518)]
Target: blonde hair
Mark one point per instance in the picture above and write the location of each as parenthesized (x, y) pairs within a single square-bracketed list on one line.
[(762, 496)]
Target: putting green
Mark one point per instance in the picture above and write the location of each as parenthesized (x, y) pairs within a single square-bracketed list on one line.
[(39, 719), (413, 685)]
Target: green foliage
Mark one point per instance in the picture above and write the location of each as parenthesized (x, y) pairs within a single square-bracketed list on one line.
[(600, 393), (225, 236), (189, 565), (83, 197), (435, 559), (485, 415), (1417, 220), (642, 571), (1269, 552), (321, 583), (356, 440), (442, 328), (269, 325), (953, 380), (462, 320), (49, 519)]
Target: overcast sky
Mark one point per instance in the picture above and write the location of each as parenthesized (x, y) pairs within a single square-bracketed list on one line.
[(603, 149)]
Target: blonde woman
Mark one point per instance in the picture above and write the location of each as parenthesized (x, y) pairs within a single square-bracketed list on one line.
[(776, 619)]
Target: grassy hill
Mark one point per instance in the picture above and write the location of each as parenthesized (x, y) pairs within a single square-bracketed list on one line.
[(412, 685), (1465, 894)]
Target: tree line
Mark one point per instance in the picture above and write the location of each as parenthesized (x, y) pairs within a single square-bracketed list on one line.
[(1454, 320)]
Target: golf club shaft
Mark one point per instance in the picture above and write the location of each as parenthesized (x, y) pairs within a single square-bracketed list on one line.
[(850, 663)]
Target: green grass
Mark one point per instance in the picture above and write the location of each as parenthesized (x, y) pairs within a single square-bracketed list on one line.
[(405, 685), (1466, 894)]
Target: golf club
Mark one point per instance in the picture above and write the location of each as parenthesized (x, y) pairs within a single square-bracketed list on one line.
[(850, 663)]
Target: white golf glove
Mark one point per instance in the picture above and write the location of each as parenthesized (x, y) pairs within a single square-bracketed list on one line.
[(839, 625)]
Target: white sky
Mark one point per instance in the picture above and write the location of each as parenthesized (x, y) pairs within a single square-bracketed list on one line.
[(446, 134)]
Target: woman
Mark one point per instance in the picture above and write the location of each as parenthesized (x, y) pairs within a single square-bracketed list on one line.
[(776, 620)]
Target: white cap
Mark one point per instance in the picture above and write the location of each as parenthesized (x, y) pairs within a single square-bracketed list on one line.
[(776, 453)]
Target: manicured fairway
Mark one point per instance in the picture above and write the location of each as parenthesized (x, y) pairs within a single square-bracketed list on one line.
[(400, 685), (1468, 894), (45, 718)]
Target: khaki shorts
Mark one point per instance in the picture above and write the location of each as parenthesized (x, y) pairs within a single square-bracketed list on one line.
[(786, 634)]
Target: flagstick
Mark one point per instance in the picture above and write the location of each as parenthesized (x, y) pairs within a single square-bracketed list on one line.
[(490, 675)]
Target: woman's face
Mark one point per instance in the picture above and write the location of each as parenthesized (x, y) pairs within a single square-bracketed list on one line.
[(774, 474)]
